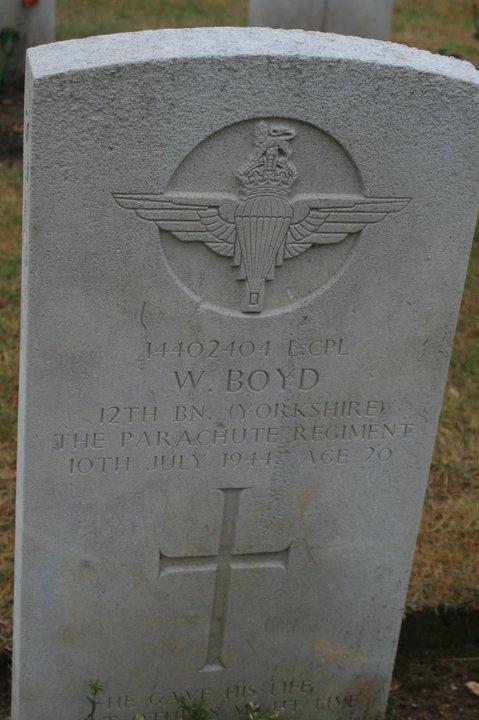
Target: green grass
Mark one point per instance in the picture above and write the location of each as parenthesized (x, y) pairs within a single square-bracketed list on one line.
[(446, 571), (10, 229), (434, 24), (91, 17)]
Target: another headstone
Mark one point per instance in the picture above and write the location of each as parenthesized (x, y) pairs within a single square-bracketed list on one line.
[(244, 258), (35, 24), (363, 18)]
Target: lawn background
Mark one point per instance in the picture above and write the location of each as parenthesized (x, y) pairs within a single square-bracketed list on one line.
[(446, 567)]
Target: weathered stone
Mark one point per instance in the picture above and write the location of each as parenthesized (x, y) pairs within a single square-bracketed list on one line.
[(35, 25), (244, 257), (364, 18)]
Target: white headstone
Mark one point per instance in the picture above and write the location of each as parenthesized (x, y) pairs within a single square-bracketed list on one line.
[(243, 263), (35, 24), (363, 18)]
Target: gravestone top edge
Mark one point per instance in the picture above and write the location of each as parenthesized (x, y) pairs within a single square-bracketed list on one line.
[(226, 42)]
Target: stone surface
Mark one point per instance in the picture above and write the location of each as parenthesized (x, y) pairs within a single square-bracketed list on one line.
[(244, 257), (35, 24), (364, 18)]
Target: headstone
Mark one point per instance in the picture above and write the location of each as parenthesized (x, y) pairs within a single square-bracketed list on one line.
[(35, 24), (363, 18), (244, 258)]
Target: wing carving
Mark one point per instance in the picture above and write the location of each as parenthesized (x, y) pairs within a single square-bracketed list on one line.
[(191, 218), (322, 221)]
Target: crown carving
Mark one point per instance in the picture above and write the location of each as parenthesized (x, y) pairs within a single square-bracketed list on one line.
[(269, 169)]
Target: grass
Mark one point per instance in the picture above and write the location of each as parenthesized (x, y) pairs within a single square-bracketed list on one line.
[(10, 230), (446, 571), (85, 17), (434, 24)]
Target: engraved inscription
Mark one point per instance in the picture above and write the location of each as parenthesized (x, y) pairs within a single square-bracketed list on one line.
[(292, 695), (223, 563), (261, 227), (245, 348), (243, 436)]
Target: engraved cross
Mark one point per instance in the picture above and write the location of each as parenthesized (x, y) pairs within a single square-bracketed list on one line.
[(223, 563)]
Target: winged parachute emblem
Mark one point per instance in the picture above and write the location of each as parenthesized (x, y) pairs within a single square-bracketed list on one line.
[(263, 226)]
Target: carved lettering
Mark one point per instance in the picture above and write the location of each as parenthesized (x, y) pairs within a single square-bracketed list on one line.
[(188, 379)]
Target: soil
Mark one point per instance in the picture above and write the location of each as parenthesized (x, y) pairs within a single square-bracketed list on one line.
[(5, 672), (438, 654), (432, 688)]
